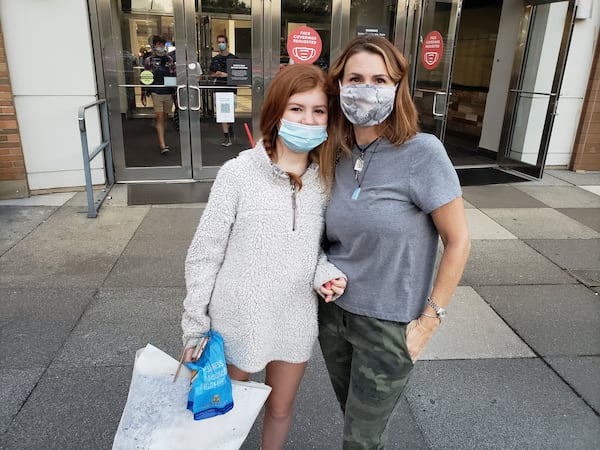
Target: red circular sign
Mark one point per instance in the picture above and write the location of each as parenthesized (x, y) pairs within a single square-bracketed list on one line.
[(304, 45), (432, 50)]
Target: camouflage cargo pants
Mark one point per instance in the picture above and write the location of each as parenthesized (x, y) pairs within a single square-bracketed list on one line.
[(369, 366)]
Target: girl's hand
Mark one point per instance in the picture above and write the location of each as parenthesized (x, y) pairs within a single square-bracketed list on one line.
[(333, 288)]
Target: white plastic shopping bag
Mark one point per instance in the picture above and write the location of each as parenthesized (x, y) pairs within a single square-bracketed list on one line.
[(155, 415)]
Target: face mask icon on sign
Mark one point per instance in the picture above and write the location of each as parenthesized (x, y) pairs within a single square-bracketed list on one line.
[(304, 53), (431, 58)]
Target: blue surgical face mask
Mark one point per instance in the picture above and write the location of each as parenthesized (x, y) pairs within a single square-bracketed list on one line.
[(160, 50), (301, 138), (222, 46)]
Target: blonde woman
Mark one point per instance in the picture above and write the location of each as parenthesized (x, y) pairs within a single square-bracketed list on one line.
[(394, 193)]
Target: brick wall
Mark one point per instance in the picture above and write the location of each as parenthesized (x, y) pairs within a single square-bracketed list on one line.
[(586, 153), (13, 178)]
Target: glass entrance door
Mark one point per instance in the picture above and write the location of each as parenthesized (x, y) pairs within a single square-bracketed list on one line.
[(461, 53), (148, 89), (533, 95), (163, 118), (218, 125), (210, 111), (432, 62)]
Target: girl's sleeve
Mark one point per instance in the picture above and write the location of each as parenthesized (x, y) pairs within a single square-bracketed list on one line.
[(206, 253), (325, 271)]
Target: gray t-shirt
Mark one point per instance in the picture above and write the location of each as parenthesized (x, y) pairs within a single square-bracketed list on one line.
[(385, 240)]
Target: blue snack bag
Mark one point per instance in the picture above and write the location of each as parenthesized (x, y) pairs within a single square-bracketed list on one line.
[(210, 392)]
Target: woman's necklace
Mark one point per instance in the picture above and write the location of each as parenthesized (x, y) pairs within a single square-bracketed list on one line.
[(360, 162), (359, 166)]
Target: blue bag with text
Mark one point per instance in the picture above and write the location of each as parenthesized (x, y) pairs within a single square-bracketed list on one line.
[(210, 392)]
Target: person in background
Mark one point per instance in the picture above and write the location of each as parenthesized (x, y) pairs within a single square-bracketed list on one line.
[(218, 69), (255, 260), (394, 194), (162, 66)]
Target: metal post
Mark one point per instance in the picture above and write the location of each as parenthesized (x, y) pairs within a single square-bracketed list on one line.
[(104, 147)]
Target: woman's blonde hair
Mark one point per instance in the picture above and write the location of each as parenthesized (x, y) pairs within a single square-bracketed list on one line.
[(290, 80), (401, 124)]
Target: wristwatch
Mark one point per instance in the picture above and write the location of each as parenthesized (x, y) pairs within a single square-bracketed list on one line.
[(441, 312)]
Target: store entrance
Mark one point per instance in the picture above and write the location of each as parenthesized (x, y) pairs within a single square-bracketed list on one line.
[(486, 75), (198, 101), (176, 135)]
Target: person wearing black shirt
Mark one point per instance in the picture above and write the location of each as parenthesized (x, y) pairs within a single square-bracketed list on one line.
[(218, 69), (161, 65)]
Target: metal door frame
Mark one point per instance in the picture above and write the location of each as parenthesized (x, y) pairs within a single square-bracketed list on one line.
[(201, 172), (510, 114), (407, 35), (266, 28), (409, 30), (106, 51)]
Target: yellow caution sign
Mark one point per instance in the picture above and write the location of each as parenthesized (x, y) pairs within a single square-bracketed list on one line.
[(146, 77)]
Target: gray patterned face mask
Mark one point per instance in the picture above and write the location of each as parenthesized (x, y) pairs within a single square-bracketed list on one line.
[(366, 105)]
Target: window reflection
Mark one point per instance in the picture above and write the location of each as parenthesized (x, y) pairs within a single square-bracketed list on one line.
[(313, 13), (377, 15), (163, 6), (226, 6)]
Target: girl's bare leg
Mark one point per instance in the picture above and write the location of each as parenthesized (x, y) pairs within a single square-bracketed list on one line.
[(237, 374), (284, 379)]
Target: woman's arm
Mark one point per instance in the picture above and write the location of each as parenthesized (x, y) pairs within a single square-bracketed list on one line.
[(451, 225)]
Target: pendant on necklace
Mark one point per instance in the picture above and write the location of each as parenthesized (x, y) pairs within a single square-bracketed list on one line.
[(356, 193), (358, 166)]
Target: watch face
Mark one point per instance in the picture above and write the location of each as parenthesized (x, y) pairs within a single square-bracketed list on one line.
[(442, 312)]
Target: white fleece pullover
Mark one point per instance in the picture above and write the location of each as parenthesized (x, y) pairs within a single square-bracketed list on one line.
[(254, 263)]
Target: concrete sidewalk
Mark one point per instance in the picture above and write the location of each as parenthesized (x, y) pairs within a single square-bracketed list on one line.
[(516, 364)]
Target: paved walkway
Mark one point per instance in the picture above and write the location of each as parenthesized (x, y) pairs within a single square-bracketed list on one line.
[(516, 364)]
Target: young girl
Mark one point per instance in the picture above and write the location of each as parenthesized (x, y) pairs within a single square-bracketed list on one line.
[(255, 259)]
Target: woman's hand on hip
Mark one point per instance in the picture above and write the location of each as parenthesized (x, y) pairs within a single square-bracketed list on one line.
[(418, 334)]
